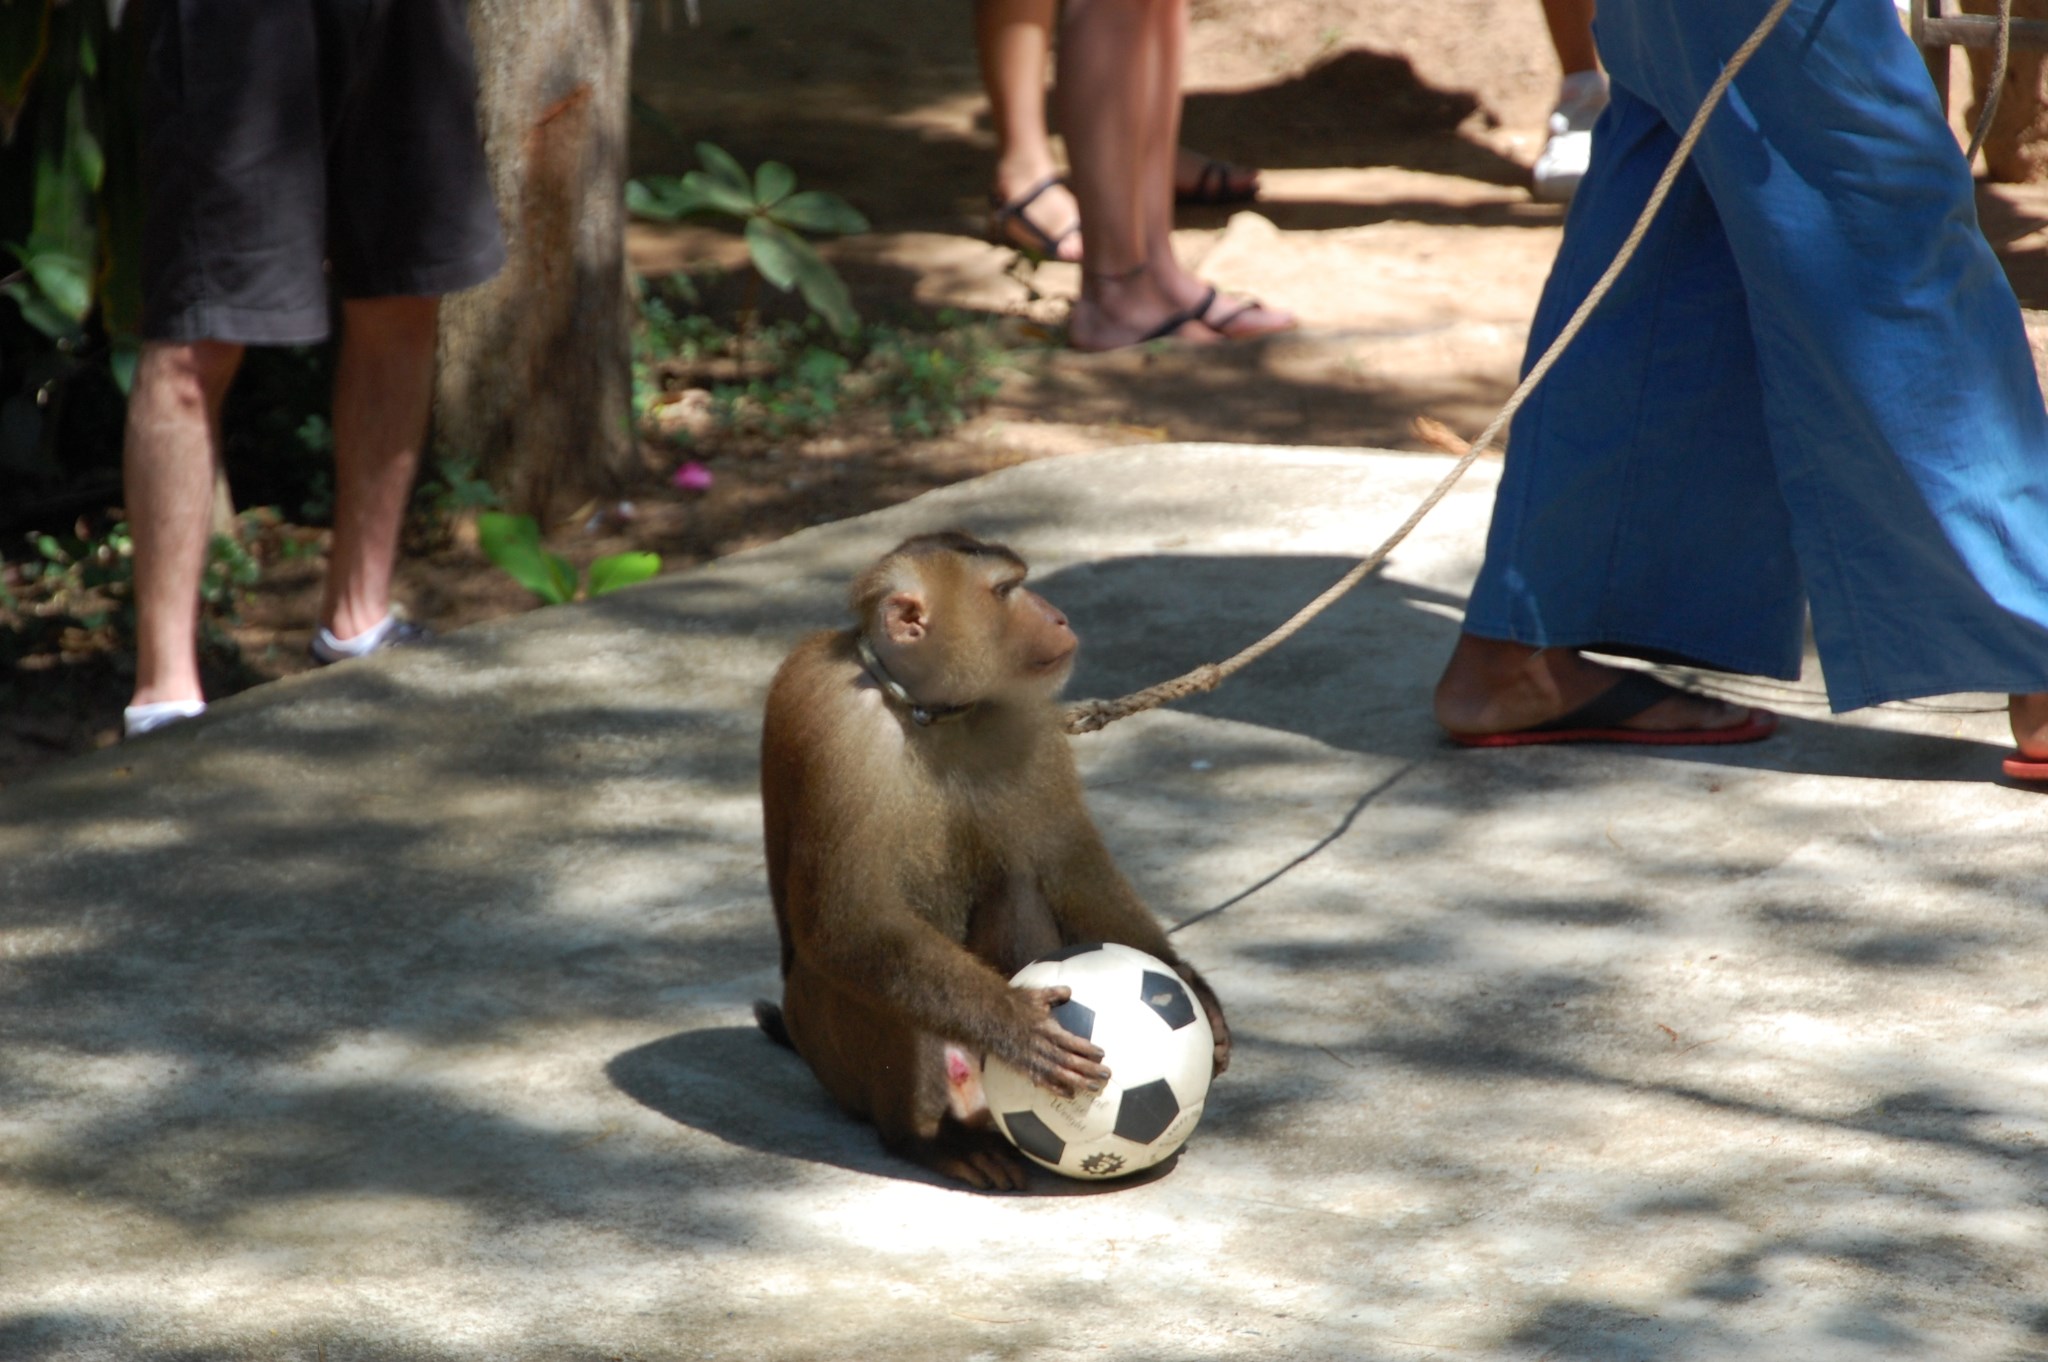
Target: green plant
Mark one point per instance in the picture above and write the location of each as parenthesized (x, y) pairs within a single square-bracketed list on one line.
[(70, 198), (799, 396), (454, 487), (774, 213), (513, 543), (87, 578), (670, 330), (931, 383), (82, 577), (231, 569)]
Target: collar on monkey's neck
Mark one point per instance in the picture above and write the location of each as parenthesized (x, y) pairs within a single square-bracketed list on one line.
[(924, 716)]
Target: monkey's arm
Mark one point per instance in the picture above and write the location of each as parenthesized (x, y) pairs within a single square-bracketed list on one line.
[(1092, 901), (859, 928)]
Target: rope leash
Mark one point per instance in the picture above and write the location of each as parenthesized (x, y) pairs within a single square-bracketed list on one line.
[(1089, 716), (1997, 86)]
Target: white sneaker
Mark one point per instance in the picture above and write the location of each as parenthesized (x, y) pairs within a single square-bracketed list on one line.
[(1566, 155), (137, 720)]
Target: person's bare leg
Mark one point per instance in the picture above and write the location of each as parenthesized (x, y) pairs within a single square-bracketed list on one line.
[(1493, 686), (383, 386), (1231, 316), (1571, 34), (1013, 39), (169, 457), (1107, 57), (2029, 717)]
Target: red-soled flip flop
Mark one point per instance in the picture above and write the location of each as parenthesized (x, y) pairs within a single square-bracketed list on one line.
[(2027, 768), (1601, 718)]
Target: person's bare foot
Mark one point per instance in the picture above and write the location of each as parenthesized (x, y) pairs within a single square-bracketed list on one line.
[(2029, 718), (1199, 179), (1246, 318), (1227, 316), (1491, 686), (1117, 310)]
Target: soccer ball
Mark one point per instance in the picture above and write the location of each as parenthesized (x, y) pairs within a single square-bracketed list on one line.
[(1157, 1043)]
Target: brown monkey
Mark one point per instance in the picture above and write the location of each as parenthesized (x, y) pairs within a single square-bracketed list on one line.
[(926, 839)]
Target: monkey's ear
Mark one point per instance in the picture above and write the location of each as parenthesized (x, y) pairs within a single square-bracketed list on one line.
[(903, 618)]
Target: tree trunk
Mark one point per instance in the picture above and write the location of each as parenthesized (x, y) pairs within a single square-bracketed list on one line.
[(535, 379)]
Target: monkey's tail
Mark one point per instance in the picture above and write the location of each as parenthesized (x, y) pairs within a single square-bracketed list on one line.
[(769, 1018)]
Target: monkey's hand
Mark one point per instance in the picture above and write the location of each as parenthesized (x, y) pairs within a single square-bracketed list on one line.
[(1050, 1055), (1214, 1009)]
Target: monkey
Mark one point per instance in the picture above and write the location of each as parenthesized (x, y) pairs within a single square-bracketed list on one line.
[(926, 838)]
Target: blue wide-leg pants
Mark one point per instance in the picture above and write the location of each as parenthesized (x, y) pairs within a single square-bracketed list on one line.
[(1811, 386)]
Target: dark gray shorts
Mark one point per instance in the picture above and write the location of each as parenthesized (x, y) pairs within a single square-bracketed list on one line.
[(288, 144)]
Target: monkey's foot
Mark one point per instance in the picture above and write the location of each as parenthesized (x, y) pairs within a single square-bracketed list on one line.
[(980, 1158)]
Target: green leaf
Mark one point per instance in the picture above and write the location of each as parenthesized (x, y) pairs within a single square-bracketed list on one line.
[(513, 543), (122, 355), (777, 252), (824, 290), (87, 160), (772, 182), (724, 169), (717, 196), (39, 311), (643, 201), (65, 280), (63, 238), (666, 198), (622, 569), (816, 211)]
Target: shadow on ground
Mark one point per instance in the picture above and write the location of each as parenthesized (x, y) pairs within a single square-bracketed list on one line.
[(734, 1084), (1355, 108), (1372, 635), (467, 939)]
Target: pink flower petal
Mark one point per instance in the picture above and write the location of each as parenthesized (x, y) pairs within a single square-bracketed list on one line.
[(692, 477)]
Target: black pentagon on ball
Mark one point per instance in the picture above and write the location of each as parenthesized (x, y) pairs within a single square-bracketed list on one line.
[(1146, 1112), (1034, 1136), (1069, 952), (1163, 994), (1076, 1018)]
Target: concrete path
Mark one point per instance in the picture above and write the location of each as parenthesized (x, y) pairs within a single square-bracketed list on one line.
[(402, 1011)]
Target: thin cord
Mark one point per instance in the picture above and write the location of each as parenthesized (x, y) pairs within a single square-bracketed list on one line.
[(1997, 86)]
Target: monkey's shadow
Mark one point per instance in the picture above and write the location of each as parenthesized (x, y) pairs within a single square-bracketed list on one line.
[(734, 1084)]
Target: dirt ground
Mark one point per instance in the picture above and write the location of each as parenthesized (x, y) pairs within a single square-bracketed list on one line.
[(1395, 221)]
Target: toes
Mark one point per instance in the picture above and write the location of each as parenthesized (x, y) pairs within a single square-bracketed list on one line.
[(1003, 1175), (967, 1170)]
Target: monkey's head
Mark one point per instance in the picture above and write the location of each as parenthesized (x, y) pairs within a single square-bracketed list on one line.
[(951, 619)]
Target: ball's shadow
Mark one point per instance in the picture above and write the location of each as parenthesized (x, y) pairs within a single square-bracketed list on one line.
[(734, 1084)]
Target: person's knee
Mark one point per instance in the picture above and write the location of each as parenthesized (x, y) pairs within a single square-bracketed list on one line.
[(187, 374)]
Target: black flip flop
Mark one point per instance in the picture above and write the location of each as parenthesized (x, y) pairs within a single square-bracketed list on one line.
[(1221, 328), (1179, 319), (1601, 718), (1002, 214)]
